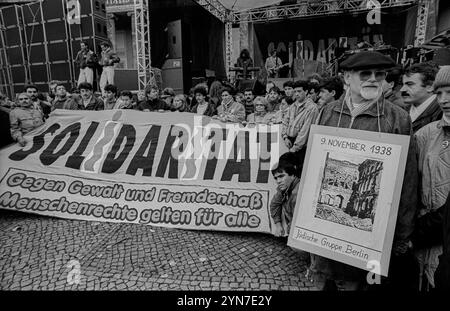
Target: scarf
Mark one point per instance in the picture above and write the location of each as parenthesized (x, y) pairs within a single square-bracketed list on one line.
[(357, 109)]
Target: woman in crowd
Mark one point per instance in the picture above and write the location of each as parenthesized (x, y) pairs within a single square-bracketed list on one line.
[(433, 144), (229, 110), (278, 116), (168, 95), (260, 115), (202, 106), (214, 93), (179, 103), (24, 118)]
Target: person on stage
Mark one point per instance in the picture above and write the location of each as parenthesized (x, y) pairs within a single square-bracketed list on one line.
[(107, 61), (244, 61), (273, 65), (86, 60)]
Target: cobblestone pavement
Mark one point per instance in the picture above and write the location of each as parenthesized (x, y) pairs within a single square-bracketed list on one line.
[(36, 254)]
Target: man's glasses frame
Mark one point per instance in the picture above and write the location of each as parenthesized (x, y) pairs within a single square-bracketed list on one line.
[(365, 75)]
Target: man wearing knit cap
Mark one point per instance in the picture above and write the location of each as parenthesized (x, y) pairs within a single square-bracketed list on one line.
[(363, 107), (433, 146)]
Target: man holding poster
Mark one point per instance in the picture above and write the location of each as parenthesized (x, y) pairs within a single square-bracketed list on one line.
[(364, 108)]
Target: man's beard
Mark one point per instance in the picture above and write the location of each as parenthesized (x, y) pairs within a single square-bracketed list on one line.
[(370, 93)]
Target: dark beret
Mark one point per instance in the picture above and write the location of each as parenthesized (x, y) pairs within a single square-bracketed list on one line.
[(366, 60)]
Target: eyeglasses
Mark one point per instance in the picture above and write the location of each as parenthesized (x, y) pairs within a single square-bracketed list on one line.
[(365, 75)]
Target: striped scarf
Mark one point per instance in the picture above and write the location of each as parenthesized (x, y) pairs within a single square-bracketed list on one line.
[(356, 110)]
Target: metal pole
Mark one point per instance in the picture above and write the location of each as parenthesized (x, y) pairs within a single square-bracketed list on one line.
[(228, 48)]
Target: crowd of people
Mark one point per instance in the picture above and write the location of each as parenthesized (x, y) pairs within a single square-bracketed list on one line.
[(372, 93), (380, 97)]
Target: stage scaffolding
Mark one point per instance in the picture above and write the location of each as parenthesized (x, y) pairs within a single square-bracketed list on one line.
[(302, 9)]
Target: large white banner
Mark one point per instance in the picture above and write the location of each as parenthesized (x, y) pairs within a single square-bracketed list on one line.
[(165, 169)]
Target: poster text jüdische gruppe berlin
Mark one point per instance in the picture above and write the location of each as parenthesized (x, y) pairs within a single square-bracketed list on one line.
[(166, 169)]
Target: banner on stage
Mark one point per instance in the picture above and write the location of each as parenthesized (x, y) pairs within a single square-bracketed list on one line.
[(116, 6), (349, 195), (166, 169)]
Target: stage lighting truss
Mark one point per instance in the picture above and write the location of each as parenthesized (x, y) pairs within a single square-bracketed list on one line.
[(142, 26), (421, 25), (314, 8)]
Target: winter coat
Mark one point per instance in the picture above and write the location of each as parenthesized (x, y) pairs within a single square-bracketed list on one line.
[(431, 114), (86, 58), (282, 205), (209, 112), (297, 122), (108, 58), (433, 147), (94, 104), (153, 105), (442, 274), (23, 120), (233, 111), (62, 103)]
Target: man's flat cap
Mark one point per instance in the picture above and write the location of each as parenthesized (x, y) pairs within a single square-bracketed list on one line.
[(366, 60)]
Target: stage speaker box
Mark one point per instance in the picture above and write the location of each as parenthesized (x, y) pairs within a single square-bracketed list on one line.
[(39, 39), (176, 70), (172, 75), (246, 84), (174, 39), (257, 87)]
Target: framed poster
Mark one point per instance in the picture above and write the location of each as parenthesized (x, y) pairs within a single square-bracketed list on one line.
[(349, 195)]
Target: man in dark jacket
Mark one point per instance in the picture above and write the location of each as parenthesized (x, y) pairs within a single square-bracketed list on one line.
[(88, 100), (107, 60), (202, 105), (417, 93), (153, 102), (38, 104), (392, 86), (329, 90), (283, 203), (86, 60), (61, 101), (363, 107)]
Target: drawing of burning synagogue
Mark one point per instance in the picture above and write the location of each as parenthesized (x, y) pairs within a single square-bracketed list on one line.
[(349, 190)]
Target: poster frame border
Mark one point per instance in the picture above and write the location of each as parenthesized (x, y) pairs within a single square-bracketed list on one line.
[(401, 140)]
